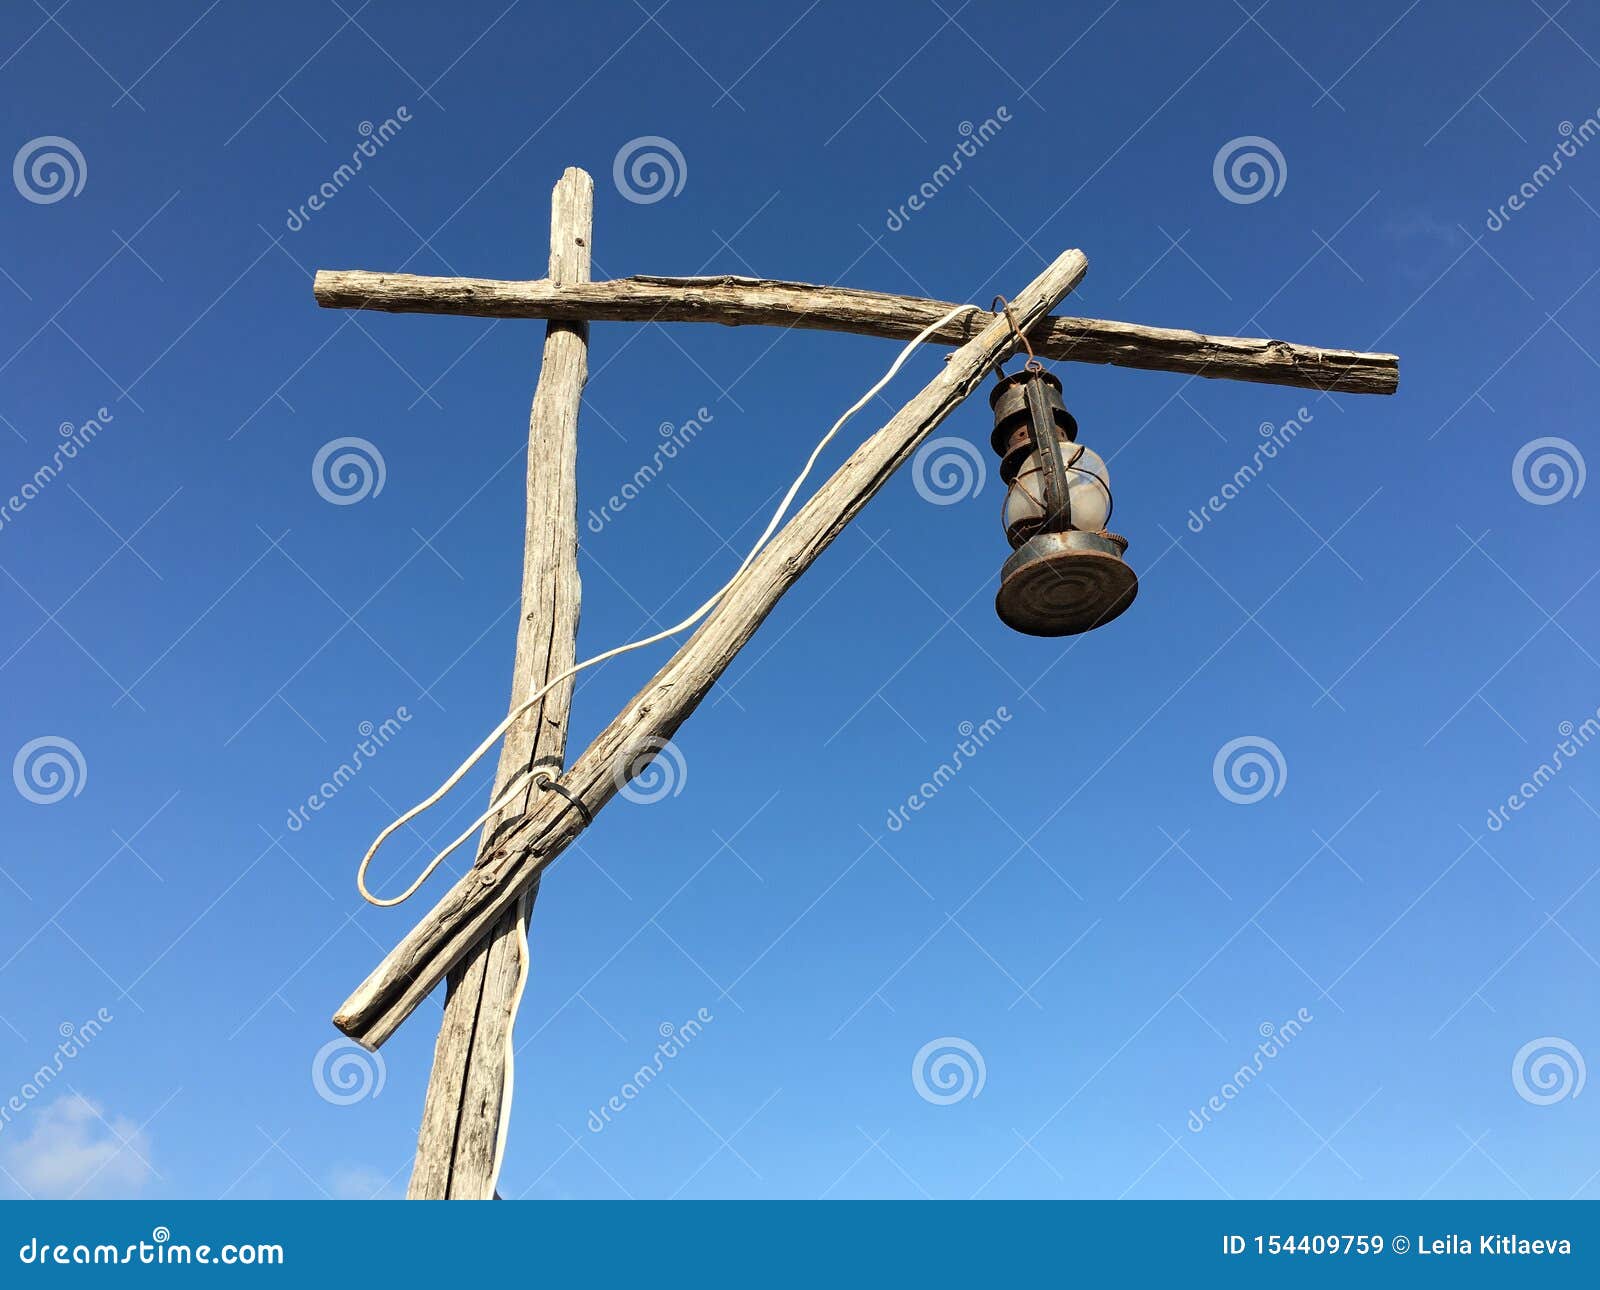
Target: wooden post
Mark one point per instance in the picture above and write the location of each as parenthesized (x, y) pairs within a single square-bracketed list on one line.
[(457, 1144), (737, 302), (481, 898)]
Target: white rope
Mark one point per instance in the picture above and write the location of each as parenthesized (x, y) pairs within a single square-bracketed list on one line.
[(515, 784)]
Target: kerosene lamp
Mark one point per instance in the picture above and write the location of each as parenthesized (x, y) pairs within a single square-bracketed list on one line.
[(1066, 573)]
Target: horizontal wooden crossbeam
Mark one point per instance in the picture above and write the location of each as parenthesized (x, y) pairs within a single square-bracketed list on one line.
[(736, 301), (471, 908)]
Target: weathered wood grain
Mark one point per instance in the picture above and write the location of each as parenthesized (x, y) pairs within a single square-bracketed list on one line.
[(461, 1115), (479, 899), (737, 301)]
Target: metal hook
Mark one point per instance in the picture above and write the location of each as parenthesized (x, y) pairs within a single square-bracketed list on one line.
[(549, 785), (1033, 364)]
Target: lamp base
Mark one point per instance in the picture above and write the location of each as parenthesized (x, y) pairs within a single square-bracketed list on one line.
[(1061, 584)]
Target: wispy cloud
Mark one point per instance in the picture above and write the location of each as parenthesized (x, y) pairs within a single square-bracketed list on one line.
[(362, 1182), (74, 1149)]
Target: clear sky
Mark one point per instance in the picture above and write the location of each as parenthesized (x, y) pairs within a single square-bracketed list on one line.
[(1396, 611)]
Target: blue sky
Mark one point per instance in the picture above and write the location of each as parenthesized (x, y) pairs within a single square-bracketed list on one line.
[(1399, 608)]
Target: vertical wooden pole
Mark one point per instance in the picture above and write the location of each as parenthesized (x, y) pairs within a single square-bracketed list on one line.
[(457, 1142)]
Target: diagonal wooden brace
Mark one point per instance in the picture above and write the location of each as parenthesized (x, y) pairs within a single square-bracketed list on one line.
[(471, 908)]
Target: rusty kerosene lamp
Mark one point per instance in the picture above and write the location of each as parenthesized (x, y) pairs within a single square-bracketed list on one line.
[(1066, 574)]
